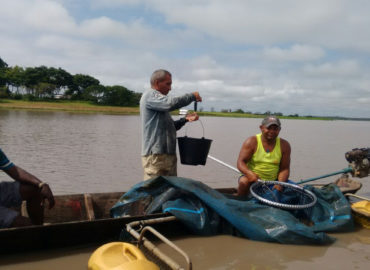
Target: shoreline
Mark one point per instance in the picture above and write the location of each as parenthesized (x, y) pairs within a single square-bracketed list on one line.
[(86, 107), (66, 106)]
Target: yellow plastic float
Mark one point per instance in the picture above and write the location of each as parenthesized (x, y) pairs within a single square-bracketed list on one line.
[(119, 256), (361, 211)]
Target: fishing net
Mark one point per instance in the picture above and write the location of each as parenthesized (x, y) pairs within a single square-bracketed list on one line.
[(291, 197), (210, 212)]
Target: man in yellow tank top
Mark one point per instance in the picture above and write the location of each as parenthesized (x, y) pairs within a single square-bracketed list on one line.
[(264, 156)]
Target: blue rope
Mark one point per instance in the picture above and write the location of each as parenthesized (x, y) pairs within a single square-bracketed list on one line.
[(184, 210)]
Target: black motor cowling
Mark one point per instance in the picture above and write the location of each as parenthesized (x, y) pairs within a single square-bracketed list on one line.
[(359, 159)]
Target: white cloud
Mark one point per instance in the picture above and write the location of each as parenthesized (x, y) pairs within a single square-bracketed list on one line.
[(268, 22), (132, 33), (36, 15), (295, 53), (336, 69), (289, 56)]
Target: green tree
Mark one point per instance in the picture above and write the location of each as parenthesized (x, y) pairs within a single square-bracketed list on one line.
[(120, 96), (80, 83), (60, 78), (16, 77), (3, 68), (44, 82), (34, 76), (94, 93), (3, 64), (44, 90)]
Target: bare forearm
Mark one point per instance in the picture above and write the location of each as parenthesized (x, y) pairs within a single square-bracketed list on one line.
[(283, 175), (22, 176), (251, 176), (242, 167)]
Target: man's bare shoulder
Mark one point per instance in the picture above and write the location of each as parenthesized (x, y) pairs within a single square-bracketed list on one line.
[(250, 142), (283, 141), (284, 144)]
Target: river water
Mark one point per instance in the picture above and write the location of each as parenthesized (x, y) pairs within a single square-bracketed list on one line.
[(78, 153)]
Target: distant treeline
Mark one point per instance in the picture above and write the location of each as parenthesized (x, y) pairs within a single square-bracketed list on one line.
[(48, 83)]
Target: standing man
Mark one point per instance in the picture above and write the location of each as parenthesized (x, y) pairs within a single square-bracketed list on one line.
[(264, 156), (26, 187), (158, 128)]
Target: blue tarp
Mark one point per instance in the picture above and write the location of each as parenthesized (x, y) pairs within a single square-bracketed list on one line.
[(206, 211)]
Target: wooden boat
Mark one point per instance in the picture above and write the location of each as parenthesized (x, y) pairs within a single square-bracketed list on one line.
[(75, 220)]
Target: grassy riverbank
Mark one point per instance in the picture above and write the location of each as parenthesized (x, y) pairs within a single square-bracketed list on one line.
[(86, 107), (248, 115), (64, 105)]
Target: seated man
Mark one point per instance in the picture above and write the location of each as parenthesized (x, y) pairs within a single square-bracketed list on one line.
[(26, 187), (264, 156)]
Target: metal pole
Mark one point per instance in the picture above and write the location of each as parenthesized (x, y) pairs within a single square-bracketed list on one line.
[(151, 247), (225, 164), (346, 170)]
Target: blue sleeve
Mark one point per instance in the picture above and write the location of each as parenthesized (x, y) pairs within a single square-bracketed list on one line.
[(4, 161)]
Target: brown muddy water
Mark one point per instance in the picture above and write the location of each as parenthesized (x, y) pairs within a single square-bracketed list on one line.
[(79, 153)]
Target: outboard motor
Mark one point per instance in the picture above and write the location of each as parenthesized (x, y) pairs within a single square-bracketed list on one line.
[(359, 161)]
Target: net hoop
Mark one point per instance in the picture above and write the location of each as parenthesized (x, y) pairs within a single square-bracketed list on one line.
[(308, 193)]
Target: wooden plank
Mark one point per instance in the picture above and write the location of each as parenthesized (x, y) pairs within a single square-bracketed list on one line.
[(67, 208), (103, 202), (89, 207)]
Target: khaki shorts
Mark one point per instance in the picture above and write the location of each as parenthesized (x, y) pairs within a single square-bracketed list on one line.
[(159, 165)]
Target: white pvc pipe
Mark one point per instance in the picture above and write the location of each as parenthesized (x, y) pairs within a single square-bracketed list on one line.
[(225, 164)]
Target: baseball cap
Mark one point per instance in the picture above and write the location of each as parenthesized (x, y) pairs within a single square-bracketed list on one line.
[(271, 120)]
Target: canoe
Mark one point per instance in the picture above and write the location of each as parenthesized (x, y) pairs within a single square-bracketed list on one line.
[(76, 219)]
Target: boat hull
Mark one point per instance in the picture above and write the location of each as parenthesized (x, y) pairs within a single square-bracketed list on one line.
[(76, 219)]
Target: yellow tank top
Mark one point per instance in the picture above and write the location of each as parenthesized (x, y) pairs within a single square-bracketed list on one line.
[(266, 165)]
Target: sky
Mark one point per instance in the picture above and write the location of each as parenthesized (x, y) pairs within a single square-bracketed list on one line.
[(289, 56)]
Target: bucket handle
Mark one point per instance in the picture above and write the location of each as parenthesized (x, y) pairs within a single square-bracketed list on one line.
[(186, 128)]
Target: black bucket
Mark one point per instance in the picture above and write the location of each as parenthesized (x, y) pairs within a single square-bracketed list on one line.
[(194, 151)]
